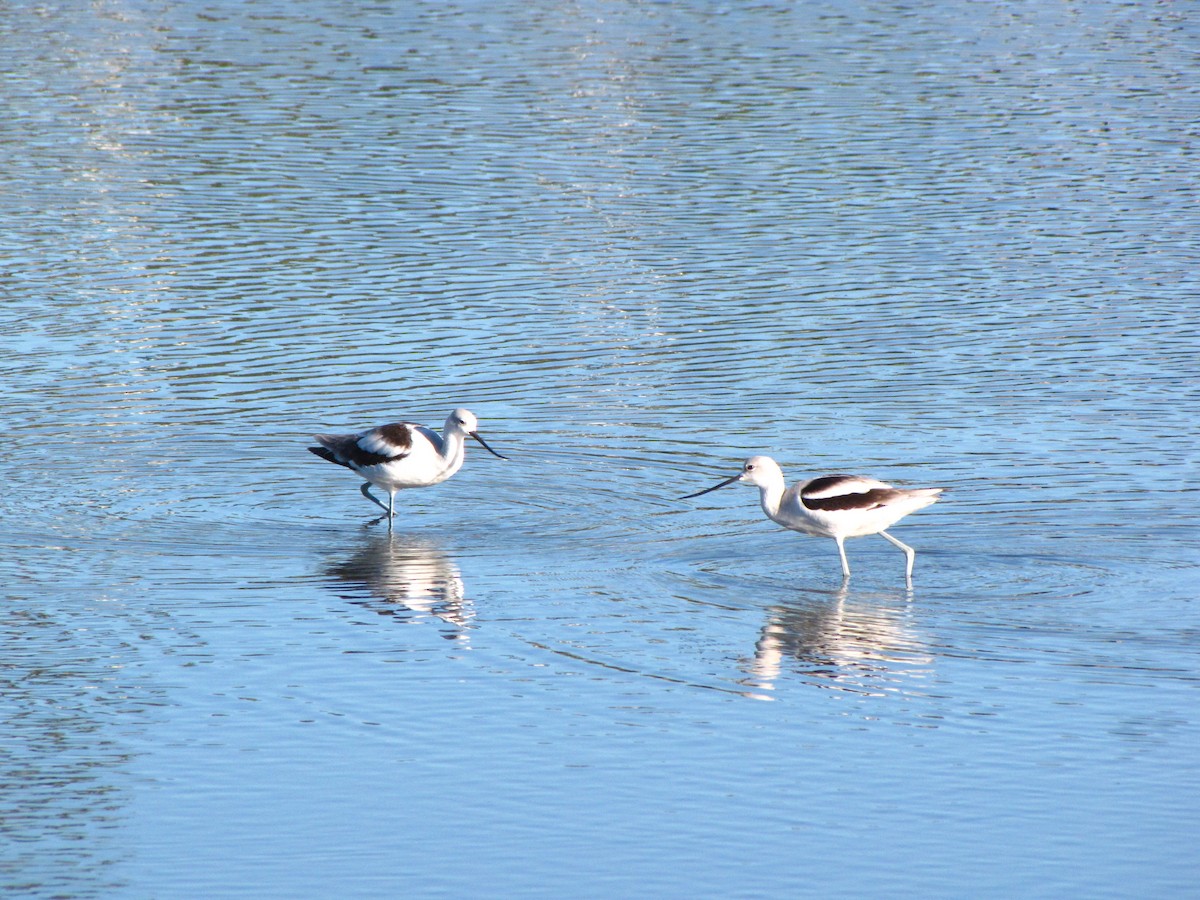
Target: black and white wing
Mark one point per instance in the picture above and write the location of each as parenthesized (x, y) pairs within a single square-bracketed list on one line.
[(387, 443), (837, 492)]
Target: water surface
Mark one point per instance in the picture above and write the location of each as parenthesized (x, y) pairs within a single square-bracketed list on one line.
[(943, 244)]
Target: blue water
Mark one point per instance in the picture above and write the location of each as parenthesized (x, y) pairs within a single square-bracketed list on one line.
[(948, 244)]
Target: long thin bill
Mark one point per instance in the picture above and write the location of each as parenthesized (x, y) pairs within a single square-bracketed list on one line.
[(713, 488), (475, 435)]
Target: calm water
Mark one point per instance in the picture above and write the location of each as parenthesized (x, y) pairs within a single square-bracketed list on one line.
[(943, 244)]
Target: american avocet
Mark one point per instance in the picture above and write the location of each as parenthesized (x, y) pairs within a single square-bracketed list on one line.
[(836, 506), (402, 455)]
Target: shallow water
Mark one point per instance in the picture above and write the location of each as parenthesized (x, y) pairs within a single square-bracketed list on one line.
[(942, 245)]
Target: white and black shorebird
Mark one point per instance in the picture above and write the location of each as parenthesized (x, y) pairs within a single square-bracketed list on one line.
[(836, 506), (402, 455)]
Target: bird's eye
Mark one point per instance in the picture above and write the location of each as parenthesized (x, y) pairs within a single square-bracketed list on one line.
[(749, 468)]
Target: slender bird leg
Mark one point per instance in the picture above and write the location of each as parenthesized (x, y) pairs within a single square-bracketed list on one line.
[(909, 553), (842, 554), (366, 492), (391, 506)]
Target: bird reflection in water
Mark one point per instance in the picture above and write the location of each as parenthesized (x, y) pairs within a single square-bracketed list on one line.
[(409, 577), (858, 647)]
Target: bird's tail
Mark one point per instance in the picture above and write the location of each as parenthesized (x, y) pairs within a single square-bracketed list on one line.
[(326, 454), (923, 497)]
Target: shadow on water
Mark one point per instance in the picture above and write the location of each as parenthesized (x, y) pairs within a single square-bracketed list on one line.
[(409, 577)]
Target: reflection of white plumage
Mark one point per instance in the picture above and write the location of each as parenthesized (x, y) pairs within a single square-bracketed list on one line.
[(402, 455), (859, 647), (836, 506), (411, 574)]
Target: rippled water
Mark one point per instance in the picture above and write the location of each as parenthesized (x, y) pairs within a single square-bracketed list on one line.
[(945, 244)]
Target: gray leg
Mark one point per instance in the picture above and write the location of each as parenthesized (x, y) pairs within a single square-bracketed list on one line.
[(842, 554), (909, 553), (366, 492), (391, 505)]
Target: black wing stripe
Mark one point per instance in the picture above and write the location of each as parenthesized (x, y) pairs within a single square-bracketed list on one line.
[(347, 453), (871, 499), (827, 482), (398, 434), (356, 456)]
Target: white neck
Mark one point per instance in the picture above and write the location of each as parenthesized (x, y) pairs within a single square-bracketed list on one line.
[(450, 455), (453, 450), (770, 496)]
